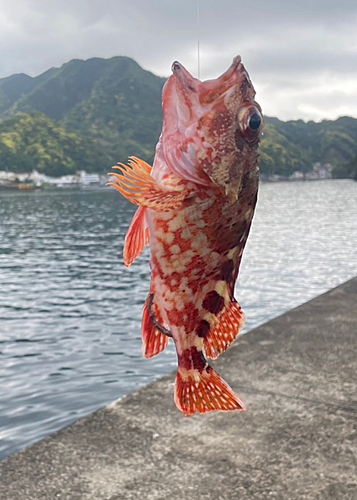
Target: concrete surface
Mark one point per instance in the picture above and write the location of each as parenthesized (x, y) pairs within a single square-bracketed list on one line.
[(297, 440)]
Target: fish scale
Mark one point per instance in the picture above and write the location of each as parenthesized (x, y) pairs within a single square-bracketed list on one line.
[(195, 210)]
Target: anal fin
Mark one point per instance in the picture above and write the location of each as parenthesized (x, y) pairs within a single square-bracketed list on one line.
[(225, 330)]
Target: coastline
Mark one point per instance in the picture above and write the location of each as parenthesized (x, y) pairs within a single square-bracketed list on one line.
[(296, 440)]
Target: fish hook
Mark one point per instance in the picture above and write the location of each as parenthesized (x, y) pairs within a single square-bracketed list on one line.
[(157, 325)]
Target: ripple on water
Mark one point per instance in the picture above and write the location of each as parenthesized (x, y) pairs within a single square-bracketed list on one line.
[(70, 311)]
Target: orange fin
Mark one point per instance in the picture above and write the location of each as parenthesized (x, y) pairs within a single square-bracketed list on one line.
[(225, 331), (154, 341), (203, 392), (137, 185), (136, 238)]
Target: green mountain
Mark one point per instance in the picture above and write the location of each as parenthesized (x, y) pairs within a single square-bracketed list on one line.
[(111, 100), (296, 145), (101, 111), (33, 141), (346, 170)]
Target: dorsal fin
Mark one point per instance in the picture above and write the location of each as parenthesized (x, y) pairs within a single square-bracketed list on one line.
[(154, 341), (137, 185)]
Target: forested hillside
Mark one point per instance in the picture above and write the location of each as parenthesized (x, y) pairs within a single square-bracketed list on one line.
[(32, 141), (91, 114), (296, 145)]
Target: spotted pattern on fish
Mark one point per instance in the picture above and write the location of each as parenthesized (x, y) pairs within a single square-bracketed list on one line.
[(195, 210)]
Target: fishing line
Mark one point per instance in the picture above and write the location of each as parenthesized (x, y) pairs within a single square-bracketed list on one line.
[(198, 38)]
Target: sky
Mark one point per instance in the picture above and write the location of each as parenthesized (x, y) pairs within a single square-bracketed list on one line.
[(301, 55)]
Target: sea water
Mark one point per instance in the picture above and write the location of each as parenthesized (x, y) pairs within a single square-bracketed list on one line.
[(70, 311)]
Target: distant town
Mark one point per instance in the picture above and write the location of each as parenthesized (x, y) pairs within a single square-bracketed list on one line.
[(36, 180), (319, 172)]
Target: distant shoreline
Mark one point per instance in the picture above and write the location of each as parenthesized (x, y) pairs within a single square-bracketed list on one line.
[(25, 188)]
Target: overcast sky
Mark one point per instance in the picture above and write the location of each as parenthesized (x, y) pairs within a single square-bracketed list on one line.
[(301, 54)]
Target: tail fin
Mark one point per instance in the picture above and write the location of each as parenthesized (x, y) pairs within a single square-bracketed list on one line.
[(203, 392)]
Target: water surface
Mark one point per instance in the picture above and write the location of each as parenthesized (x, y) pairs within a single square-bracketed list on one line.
[(70, 310)]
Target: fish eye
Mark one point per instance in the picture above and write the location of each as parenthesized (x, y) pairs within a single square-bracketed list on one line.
[(255, 121), (250, 121)]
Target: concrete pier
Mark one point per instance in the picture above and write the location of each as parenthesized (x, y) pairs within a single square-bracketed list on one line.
[(297, 440)]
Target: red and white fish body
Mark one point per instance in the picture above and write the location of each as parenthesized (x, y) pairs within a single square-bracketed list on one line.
[(195, 210)]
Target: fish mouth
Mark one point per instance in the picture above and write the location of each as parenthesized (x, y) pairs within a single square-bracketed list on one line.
[(200, 119), (184, 77), (234, 75), (186, 98)]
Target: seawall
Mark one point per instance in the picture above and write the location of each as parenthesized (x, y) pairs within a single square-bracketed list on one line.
[(297, 440)]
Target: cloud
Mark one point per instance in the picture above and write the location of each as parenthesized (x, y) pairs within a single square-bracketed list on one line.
[(302, 57)]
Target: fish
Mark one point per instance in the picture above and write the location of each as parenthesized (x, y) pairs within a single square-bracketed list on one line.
[(196, 205)]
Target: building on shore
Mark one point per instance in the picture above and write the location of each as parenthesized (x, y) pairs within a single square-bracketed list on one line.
[(35, 179)]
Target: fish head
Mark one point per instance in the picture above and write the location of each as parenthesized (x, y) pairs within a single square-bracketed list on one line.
[(211, 129)]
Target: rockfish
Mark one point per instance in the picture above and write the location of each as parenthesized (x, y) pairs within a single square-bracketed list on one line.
[(195, 210)]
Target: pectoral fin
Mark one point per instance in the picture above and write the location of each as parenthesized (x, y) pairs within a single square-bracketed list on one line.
[(136, 238), (137, 185)]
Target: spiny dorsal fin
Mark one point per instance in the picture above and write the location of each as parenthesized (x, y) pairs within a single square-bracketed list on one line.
[(137, 186)]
